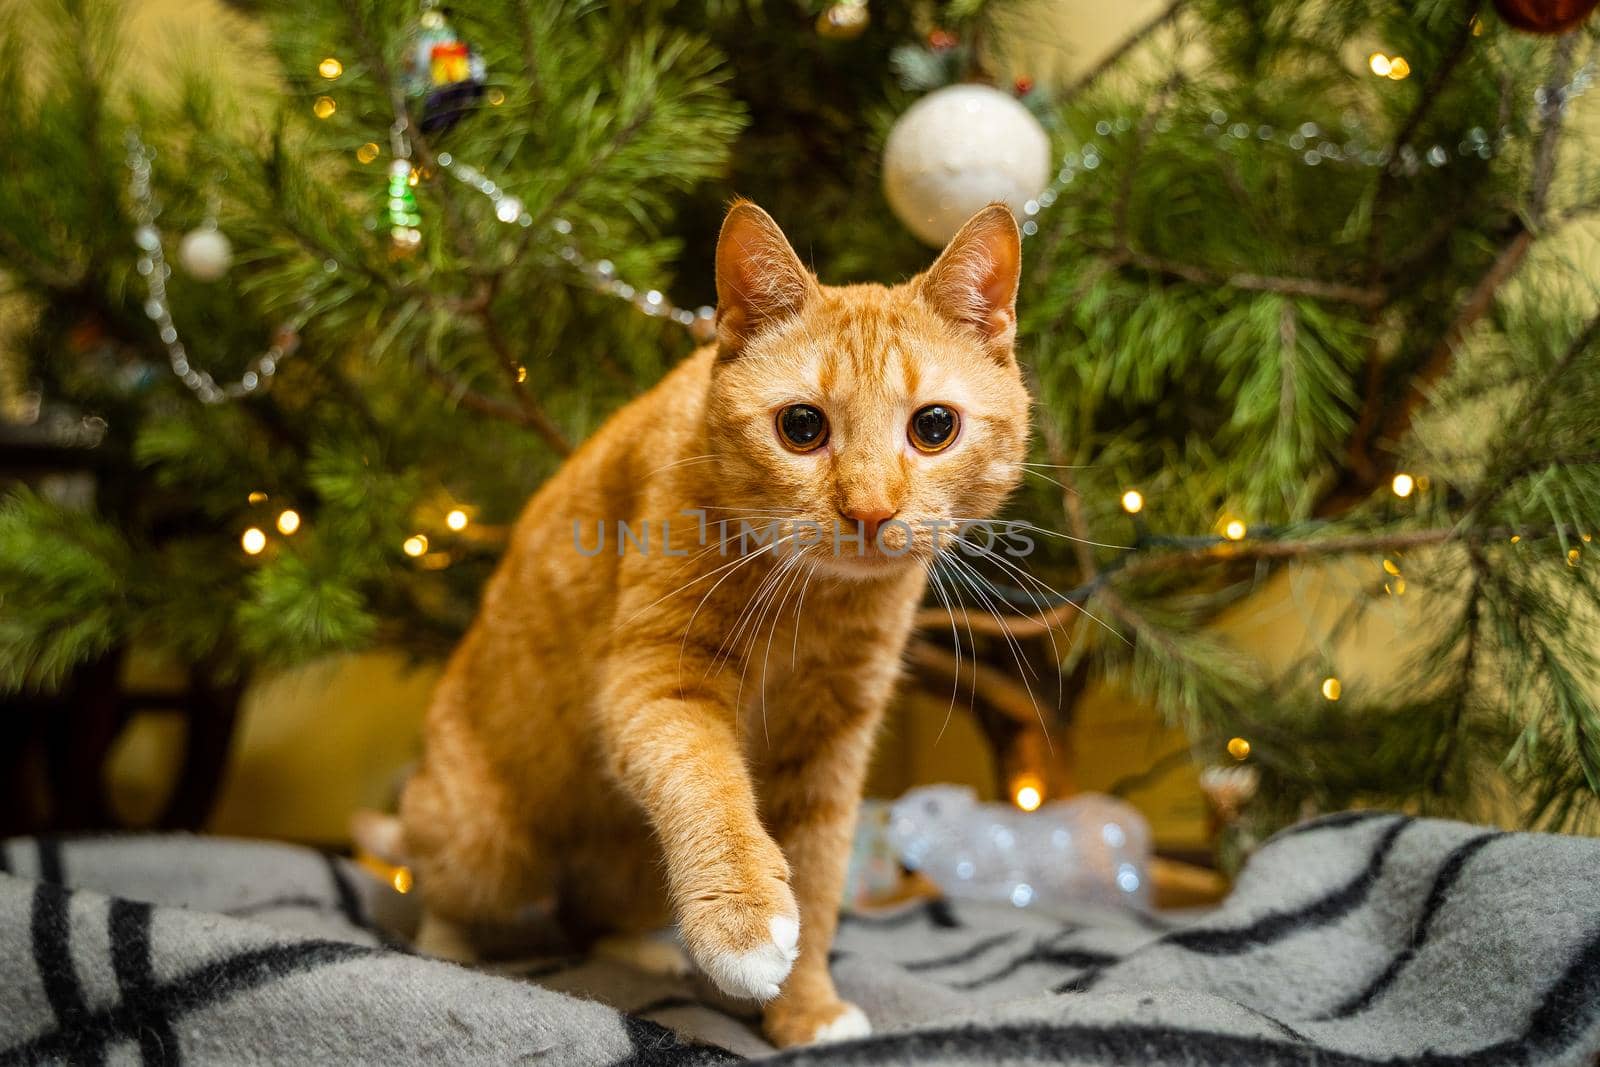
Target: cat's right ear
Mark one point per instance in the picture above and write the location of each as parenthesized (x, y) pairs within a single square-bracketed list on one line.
[(759, 278)]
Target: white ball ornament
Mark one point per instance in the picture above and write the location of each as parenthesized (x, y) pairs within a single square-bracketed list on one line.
[(205, 253), (957, 150)]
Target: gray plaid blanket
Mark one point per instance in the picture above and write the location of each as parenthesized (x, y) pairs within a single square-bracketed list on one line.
[(1359, 939)]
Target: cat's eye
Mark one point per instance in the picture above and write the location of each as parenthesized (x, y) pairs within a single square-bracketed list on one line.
[(802, 427), (934, 427)]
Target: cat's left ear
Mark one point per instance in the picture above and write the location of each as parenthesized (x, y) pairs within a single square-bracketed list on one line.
[(760, 280), (974, 281)]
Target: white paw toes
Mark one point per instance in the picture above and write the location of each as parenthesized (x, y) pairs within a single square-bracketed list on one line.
[(851, 1023), (786, 935), (758, 973)]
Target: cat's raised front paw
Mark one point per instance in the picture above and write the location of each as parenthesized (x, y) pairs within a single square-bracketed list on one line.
[(745, 942), (756, 973)]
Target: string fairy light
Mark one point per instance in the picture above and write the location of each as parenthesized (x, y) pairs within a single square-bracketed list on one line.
[(1332, 689), (1313, 145), (1133, 501), (415, 545), (456, 519), (288, 521), (1234, 530), (1238, 748), (601, 274), (152, 267), (253, 540), (1403, 484)]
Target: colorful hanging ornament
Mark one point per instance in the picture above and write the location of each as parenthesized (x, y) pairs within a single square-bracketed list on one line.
[(844, 21), (958, 149), (403, 214), (442, 72), (1544, 16)]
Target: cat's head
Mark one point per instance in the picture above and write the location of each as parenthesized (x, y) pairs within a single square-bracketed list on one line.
[(863, 404)]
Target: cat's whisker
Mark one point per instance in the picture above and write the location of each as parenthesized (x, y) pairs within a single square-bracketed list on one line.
[(680, 463), (1061, 598), (794, 650), (1042, 611), (955, 686), (772, 633), (686, 585), (1041, 474), (735, 565), (1023, 524), (1062, 466), (730, 643), (1016, 652)]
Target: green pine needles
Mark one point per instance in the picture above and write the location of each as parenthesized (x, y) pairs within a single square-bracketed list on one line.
[(1275, 280)]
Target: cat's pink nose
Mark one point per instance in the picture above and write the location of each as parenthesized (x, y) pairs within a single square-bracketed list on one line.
[(870, 517)]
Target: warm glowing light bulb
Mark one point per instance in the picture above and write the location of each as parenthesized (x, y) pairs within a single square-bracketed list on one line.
[(496, 97), (1238, 748), (258, 497), (415, 545), (330, 68), (456, 519), (1379, 64), (1331, 689), (1234, 530), (1573, 555), (522, 373), (1390, 567), (253, 540), (1399, 69), (367, 152), (1133, 501), (1027, 792), (402, 880), (1403, 484), (288, 521)]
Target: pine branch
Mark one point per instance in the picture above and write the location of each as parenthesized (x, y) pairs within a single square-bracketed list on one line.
[(1363, 471), (1360, 296), (1216, 552)]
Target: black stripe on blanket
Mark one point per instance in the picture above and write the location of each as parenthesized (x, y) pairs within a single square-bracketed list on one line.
[(1330, 822), (84, 1038), (136, 980), (50, 866), (937, 912), (1276, 925), (966, 955), (1569, 1009), (51, 927), (656, 1046), (1044, 952), (1449, 871)]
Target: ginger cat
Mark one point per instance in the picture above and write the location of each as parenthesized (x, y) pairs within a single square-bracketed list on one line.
[(659, 731)]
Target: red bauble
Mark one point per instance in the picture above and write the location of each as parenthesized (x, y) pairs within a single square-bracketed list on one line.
[(1544, 16)]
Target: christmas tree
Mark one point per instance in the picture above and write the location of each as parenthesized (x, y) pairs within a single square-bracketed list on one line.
[(1285, 301)]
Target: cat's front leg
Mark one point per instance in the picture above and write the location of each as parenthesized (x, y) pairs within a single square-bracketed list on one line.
[(674, 749), (811, 795)]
